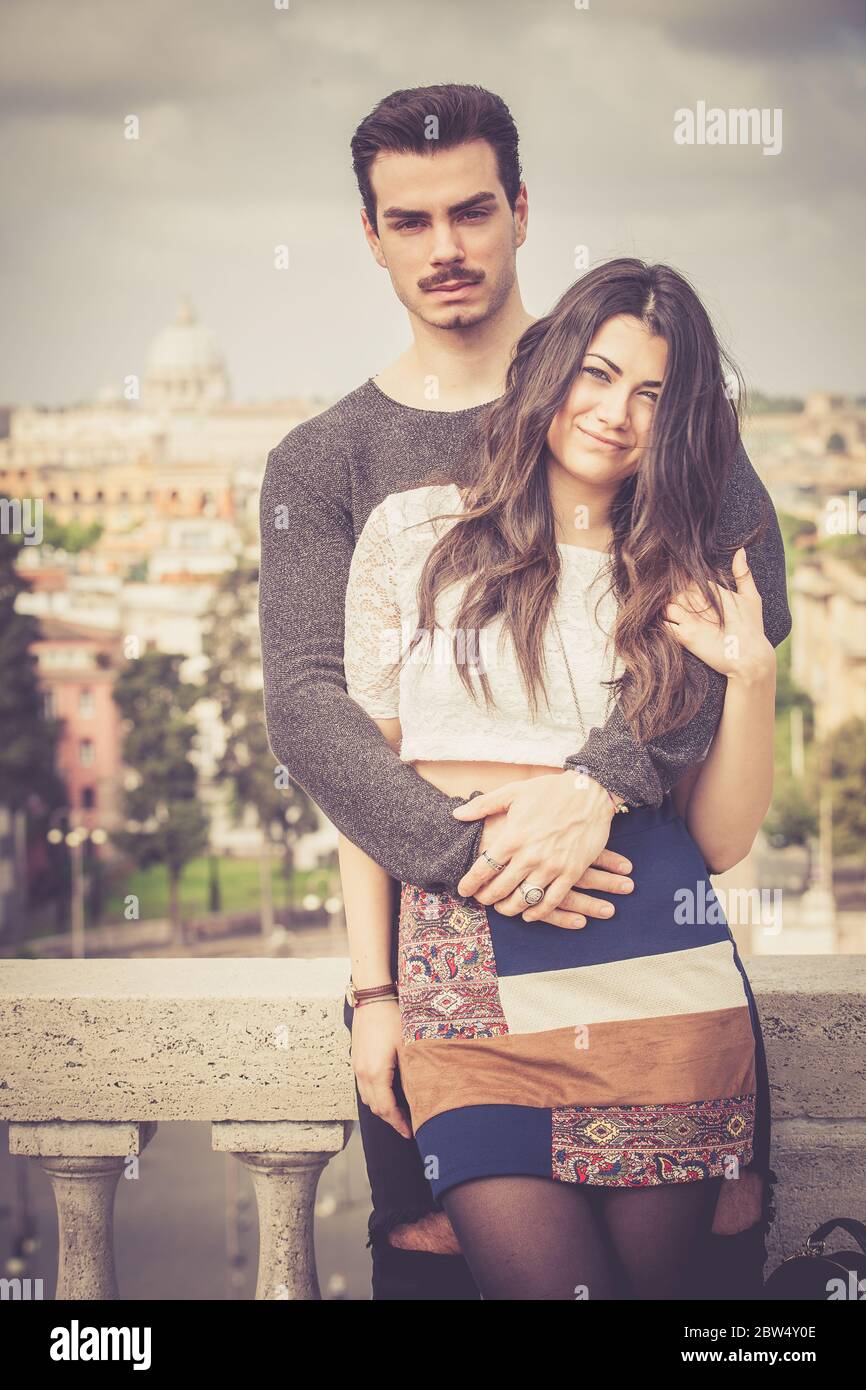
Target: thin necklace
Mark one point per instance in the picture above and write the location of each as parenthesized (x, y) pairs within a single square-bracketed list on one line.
[(571, 680)]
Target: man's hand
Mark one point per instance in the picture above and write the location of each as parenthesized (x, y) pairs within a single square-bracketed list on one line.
[(550, 830)]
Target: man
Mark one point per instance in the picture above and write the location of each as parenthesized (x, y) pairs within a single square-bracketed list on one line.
[(444, 212)]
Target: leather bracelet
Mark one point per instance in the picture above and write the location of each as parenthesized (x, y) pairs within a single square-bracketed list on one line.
[(355, 996)]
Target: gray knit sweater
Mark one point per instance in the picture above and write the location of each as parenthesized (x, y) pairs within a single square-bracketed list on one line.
[(322, 481)]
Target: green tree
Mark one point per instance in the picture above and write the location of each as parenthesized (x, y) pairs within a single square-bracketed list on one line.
[(792, 818), (72, 536), (759, 404), (846, 761), (851, 549), (165, 822), (794, 530), (788, 694), (214, 895), (27, 749), (230, 642), (29, 783)]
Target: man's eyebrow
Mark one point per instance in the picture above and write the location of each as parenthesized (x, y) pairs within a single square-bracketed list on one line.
[(465, 203), (618, 370), (473, 202)]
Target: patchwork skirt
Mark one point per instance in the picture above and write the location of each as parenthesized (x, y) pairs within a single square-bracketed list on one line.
[(627, 1053)]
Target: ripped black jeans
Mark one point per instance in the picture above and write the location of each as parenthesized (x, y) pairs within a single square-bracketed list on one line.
[(728, 1267), (401, 1193)]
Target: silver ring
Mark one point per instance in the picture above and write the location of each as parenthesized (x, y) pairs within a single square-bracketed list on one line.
[(485, 855), (532, 894)]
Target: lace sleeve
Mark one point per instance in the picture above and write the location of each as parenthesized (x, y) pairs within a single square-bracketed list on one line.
[(372, 631)]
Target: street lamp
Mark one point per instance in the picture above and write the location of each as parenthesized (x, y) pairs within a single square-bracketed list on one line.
[(75, 839)]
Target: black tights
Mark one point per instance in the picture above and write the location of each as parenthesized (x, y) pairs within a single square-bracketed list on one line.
[(537, 1238)]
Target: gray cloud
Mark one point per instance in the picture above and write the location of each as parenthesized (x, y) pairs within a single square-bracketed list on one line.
[(246, 115), (773, 29)]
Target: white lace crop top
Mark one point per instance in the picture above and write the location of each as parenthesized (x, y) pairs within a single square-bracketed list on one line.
[(439, 719)]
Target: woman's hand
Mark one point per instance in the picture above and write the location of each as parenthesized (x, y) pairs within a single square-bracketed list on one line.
[(738, 646), (376, 1038)]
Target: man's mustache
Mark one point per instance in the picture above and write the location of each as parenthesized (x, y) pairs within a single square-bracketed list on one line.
[(453, 278)]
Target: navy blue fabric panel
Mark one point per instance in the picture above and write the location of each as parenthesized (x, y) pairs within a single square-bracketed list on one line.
[(668, 910), (476, 1141), (763, 1103), (639, 818)]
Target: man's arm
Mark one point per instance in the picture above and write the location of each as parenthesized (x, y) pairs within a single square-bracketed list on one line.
[(326, 742), (642, 773)]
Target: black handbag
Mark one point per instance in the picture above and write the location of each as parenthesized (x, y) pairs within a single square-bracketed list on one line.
[(810, 1274)]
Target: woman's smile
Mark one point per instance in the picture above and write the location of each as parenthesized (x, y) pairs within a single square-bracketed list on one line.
[(601, 439)]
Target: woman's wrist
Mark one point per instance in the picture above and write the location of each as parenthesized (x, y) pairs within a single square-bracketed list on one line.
[(371, 979), (758, 672), (370, 967), (384, 990)]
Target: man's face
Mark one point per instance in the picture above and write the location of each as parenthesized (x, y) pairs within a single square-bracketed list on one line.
[(446, 234)]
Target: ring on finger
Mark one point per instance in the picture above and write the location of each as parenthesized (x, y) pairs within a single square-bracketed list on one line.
[(491, 860), (532, 893)]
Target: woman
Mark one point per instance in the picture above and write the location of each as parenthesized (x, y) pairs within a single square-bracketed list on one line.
[(582, 1099)]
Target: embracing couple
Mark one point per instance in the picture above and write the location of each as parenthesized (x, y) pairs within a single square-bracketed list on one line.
[(518, 644)]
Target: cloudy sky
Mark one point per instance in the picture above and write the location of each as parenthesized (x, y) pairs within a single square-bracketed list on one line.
[(246, 112)]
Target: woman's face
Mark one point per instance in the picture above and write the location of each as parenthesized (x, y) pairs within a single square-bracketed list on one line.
[(600, 431)]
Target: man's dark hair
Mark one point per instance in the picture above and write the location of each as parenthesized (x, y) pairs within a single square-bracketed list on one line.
[(401, 123)]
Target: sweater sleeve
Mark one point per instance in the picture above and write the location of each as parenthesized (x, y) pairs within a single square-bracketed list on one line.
[(643, 773), (328, 745)]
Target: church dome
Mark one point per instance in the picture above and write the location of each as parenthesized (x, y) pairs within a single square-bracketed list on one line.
[(185, 366)]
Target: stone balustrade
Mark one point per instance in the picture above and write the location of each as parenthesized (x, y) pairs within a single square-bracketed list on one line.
[(94, 1053)]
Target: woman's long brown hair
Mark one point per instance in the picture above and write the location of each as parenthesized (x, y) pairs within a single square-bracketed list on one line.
[(665, 516)]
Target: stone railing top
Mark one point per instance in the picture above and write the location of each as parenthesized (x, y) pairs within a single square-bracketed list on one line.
[(264, 1039), (234, 977), (228, 1039), (836, 975)]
